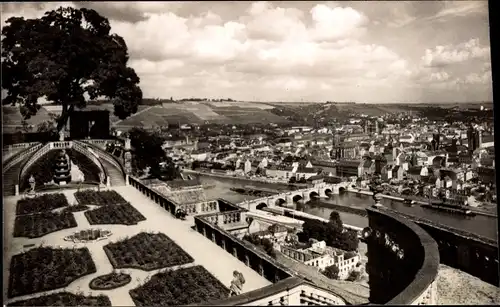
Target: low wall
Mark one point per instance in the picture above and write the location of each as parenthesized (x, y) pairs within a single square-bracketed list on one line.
[(467, 252), (403, 260)]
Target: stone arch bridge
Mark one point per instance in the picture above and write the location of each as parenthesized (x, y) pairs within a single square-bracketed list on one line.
[(288, 198)]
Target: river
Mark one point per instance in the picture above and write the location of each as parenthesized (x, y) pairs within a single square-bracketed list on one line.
[(482, 225)]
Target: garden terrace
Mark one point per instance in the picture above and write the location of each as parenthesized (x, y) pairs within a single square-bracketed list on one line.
[(185, 286), (39, 225), (45, 268), (99, 198), (146, 251), (110, 281), (124, 214), (64, 299), (43, 203)]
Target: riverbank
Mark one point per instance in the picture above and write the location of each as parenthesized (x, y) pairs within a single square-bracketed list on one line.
[(224, 176), (418, 202)]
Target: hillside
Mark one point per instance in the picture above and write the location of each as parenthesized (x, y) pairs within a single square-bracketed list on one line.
[(157, 112)]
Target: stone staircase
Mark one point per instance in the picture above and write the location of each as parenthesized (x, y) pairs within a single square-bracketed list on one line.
[(11, 177), (114, 174)]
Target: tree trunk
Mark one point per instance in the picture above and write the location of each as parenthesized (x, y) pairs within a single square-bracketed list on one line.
[(63, 119)]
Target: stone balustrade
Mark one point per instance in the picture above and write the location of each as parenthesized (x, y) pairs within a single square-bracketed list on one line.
[(103, 176), (21, 156), (109, 158), (42, 150)]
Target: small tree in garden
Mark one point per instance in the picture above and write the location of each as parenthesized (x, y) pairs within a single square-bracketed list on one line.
[(331, 272)]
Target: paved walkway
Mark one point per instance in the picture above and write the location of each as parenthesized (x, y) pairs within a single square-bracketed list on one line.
[(217, 261)]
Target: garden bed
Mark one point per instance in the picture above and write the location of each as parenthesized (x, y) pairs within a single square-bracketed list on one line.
[(110, 281), (43, 203), (39, 225), (65, 299), (187, 286), (124, 214), (146, 251), (99, 198), (45, 268)]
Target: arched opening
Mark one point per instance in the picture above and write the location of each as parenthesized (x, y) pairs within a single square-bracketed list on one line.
[(297, 198), (328, 192), (261, 206), (342, 190), (280, 202), (314, 195)]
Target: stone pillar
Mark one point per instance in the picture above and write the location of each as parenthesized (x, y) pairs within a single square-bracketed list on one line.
[(108, 182), (17, 189), (127, 180)]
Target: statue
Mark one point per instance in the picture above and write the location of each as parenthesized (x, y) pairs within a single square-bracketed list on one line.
[(236, 284), (32, 183), (61, 135)]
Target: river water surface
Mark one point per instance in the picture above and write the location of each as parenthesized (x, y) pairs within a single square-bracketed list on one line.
[(482, 225)]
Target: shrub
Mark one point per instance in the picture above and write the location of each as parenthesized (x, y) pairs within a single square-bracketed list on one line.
[(331, 272), (354, 276), (43, 203), (38, 225), (110, 281)]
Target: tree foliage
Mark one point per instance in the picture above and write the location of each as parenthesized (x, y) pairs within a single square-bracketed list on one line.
[(332, 233), (331, 272), (148, 152), (63, 55)]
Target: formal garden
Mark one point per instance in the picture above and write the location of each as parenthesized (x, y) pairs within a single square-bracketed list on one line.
[(124, 214), (184, 286), (39, 225), (64, 299), (110, 281), (146, 251), (45, 268)]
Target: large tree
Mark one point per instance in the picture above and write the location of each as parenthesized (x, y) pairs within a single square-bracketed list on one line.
[(61, 56)]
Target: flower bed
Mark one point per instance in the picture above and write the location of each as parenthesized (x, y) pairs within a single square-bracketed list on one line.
[(124, 214), (88, 235), (45, 268), (64, 299), (146, 251), (43, 203), (187, 286), (110, 281), (99, 198), (38, 225), (76, 208)]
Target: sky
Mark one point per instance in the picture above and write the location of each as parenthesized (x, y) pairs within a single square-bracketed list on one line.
[(361, 51)]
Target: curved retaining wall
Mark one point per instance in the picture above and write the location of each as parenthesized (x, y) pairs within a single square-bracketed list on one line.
[(403, 260), (42, 150)]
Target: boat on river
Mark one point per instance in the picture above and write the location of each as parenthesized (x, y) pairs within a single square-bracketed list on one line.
[(447, 207)]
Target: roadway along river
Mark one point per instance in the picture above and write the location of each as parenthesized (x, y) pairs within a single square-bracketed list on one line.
[(482, 225)]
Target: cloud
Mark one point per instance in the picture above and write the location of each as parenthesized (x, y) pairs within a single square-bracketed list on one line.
[(289, 50), (446, 55)]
